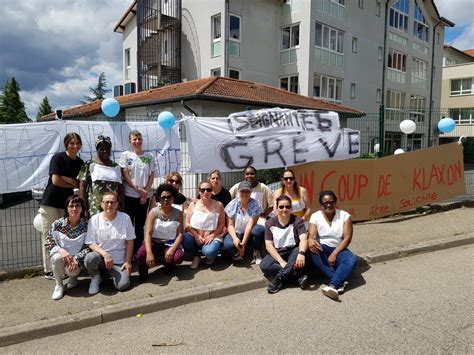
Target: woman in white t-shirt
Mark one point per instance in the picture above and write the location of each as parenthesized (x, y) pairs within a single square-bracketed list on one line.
[(330, 233), (138, 169)]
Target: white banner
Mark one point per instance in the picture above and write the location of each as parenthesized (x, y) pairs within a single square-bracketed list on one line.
[(26, 149), (266, 139)]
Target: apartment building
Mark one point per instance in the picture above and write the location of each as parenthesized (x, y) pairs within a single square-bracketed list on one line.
[(358, 53)]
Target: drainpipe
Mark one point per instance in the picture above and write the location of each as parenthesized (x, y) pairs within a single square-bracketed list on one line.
[(382, 97), (226, 39), (431, 82)]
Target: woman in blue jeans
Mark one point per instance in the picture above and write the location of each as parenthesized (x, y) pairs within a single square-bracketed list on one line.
[(205, 222), (330, 233)]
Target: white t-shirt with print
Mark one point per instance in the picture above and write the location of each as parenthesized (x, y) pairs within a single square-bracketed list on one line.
[(330, 235), (139, 168)]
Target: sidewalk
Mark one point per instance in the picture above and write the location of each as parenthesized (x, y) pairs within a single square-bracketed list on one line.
[(28, 312)]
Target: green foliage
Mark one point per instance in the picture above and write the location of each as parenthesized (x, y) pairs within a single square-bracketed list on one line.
[(44, 109), (12, 109), (267, 176), (369, 156), (99, 92)]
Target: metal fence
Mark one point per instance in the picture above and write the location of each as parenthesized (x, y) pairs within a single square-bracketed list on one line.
[(20, 243)]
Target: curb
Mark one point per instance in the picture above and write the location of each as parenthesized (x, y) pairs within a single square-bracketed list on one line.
[(39, 329)]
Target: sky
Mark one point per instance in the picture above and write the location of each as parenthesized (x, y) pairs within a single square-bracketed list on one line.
[(58, 48)]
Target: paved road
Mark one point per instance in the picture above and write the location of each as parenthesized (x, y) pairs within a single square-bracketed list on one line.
[(418, 304)]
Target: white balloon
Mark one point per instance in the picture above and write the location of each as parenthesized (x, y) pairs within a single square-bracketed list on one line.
[(407, 126), (38, 222), (376, 148), (399, 151)]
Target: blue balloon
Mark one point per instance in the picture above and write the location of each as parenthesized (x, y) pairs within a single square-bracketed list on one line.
[(446, 125), (110, 107), (166, 119)]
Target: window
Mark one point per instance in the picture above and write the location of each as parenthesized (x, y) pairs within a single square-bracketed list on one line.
[(354, 44), (128, 65), (378, 95), (216, 72), (327, 88), (419, 68), (461, 87), (290, 37), (329, 38), (234, 73), (397, 60), (420, 28), (414, 141), (289, 83), (377, 8), (417, 108), (380, 53), (437, 37), (399, 15), (361, 4), (353, 90), (216, 35), (395, 103), (462, 115), (234, 35)]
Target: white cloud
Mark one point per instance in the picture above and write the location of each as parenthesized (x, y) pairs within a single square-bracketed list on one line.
[(461, 13), (466, 39)]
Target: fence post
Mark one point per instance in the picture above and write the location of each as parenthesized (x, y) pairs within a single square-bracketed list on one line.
[(381, 129)]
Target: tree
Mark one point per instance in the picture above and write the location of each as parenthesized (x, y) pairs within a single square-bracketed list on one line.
[(44, 109), (98, 93), (12, 109)]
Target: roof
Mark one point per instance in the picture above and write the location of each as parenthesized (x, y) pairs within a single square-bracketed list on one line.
[(126, 17), (215, 89), (468, 52)]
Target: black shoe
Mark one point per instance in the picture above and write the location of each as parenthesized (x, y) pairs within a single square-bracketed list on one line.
[(303, 282), (49, 276), (275, 285)]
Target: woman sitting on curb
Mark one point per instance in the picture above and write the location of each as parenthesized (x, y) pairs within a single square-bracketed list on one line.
[(205, 222), (65, 244), (286, 242), (110, 236), (242, 216), (163, 234), (330, 233)]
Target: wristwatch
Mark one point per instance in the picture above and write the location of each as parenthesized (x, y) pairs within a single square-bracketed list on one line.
[(301, 252)]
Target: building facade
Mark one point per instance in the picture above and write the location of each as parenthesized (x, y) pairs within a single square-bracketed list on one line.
[(357, 53)]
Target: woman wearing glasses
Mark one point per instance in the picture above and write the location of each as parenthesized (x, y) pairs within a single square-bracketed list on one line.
[(179, 201), (286, 242), (300, 205), (330, 233), (163, 235), (65, 244), (205, 221)]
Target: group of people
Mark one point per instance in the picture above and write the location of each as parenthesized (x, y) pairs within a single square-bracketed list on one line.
[(89, 230)]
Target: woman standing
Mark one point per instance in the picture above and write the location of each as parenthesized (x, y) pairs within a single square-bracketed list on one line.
[(138, 169), (180, 201), (286, 242), (63, 170), (298, 195), (100, 175), (163, 234), (65, 244), (205, 221), (330, 233), (219, 193)]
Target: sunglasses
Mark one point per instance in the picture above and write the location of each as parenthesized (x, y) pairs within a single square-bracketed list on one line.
[(328, 203), (166, 198), (286, 207), (206, 190), (172, 181), (288, 178)]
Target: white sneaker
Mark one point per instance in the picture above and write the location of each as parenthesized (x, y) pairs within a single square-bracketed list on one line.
[(58, 292), (95, 283), (195, 262), (341, 289), (72, 282), (330, 292), (257, 257)]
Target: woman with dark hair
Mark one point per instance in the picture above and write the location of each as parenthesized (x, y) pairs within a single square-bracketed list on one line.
[(100, 175), (330, 233), (63, 170), (163, 234), (65, 244), (205, 223), (298, 195), (138, 169), (179, 201), (219, 192), (286, 242)]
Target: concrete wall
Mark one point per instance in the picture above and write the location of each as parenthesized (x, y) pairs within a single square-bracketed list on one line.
[(130, 41)]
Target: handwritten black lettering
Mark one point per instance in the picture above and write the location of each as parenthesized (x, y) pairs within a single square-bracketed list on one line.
[(330, 151)]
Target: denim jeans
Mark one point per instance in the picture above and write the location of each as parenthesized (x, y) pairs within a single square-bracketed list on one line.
[(208, 250), (256, 240), (345, 264)]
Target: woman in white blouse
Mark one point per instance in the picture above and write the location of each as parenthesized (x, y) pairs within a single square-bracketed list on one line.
[(330, 233)]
